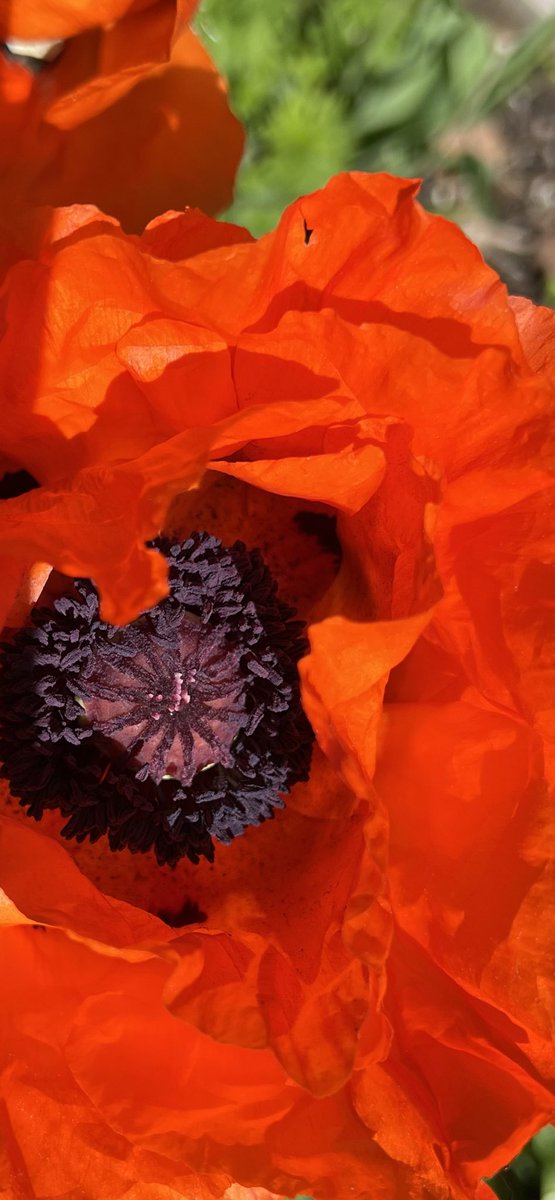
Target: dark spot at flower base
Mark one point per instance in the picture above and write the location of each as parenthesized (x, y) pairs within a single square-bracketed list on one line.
[(16, 483), (323, 528), (307, 233), (176, 731), (188, 914)]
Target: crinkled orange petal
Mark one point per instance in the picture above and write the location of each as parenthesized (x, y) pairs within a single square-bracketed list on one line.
[(101, 544), (81, 1090), (184, 372), (347, 479), (439, 1030), (402, 978), (327, 1142), (95, 540), (78, 367), (154, 123), (123, 53), (471, 877), (135, 95), (61, 18), (471, 869), (343, 684), (285, 973), (149, 1121), (40, 877)]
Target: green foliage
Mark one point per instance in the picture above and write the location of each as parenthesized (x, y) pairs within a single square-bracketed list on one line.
[(510, 73), (330, 85), (305, 139)]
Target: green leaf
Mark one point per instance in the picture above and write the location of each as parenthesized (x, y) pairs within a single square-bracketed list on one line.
[(467, 57), (532, 52), (393, 104)]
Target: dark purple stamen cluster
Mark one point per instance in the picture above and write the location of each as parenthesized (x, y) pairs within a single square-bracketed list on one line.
[(183, 727)]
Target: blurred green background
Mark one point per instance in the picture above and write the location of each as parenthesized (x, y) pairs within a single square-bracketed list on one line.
[(460, 94)]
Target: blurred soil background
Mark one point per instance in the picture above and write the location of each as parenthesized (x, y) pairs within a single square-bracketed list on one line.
[(459, 92)]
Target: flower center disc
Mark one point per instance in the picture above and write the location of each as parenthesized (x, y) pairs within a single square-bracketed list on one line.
[(170, 696), (178, 730)]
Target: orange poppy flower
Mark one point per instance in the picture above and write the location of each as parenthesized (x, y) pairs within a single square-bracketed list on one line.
[(131, 114), (353, 999)]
